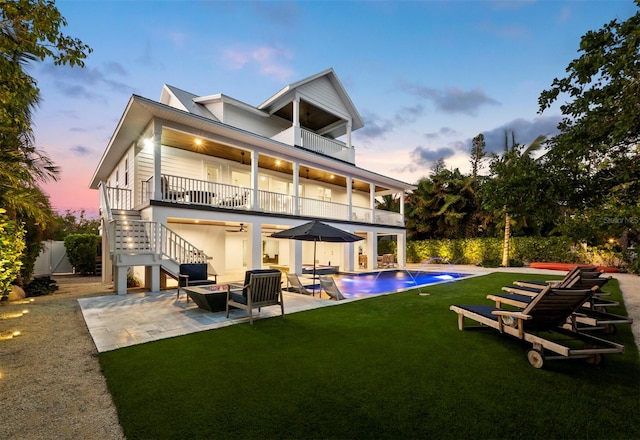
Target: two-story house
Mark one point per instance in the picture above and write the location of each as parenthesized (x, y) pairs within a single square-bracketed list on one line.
[(209, 178)]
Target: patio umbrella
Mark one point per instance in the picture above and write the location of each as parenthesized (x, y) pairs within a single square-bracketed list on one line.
[(317, 231)]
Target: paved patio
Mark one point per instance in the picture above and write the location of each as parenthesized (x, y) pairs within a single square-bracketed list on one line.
[(117, 321)]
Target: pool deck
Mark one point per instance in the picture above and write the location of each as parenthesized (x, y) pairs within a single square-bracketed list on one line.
[(116, 321)]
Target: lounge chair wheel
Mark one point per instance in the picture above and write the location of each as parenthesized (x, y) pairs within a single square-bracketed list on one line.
[(609, 329), (535, 358), (595, 359)]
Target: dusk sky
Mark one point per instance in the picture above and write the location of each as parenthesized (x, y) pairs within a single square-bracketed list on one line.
[(426, 76)]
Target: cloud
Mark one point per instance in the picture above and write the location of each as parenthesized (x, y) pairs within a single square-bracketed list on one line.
[(270, 61), (374, 127), (283, 14), (407, 115), (81, 150), (81, 83), (525, 132), (450, 100), (444, 131), (424, 158), (377, 127)]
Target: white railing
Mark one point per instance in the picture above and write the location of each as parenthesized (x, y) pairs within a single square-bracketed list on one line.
[(177, 189), (388, 218), (276, 202), (320, 144), (120, 198), (136, 237), (320, 208), (187, 191)]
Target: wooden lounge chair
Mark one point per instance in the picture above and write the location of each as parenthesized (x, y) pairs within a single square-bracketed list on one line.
[(540, 322), (297, 286), (596, 302), (583, 271), (589, 318), (262, 287), (329, 286)]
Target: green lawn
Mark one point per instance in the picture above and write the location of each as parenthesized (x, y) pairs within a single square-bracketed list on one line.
[(393, 366)]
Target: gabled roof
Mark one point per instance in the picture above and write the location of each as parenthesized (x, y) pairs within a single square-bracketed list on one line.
[(287, 94), (188, 100)]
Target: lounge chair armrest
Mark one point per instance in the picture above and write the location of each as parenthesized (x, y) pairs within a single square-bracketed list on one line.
[(518, 315), (232, 286)]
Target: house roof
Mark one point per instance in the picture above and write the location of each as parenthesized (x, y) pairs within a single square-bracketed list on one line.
[(140, 112), (189, 101), (288, 94)]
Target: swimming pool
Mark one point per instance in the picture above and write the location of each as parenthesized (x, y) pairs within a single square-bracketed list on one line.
[(372, 283)]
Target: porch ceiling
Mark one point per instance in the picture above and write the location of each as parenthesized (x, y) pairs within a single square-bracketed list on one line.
[(189, 142)]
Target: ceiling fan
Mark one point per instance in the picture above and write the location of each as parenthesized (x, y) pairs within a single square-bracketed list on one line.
[(242, 229)]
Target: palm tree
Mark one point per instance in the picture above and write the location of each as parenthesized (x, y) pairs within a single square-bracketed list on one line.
[(512, 159)]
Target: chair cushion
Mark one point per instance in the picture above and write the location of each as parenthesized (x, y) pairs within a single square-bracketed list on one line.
[(195, 271), (238, 297), (247, 277)]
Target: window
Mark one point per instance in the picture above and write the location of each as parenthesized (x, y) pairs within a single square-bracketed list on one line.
[(126, 172)]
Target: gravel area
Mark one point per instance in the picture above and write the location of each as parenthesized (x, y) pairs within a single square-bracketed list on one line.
[(51, 385)]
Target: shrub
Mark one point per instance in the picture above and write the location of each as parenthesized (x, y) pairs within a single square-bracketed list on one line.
[(40, 286), (11, 248), (488, 251), (82, 250)]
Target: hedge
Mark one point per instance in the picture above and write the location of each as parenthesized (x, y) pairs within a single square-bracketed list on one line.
[(488, 251)]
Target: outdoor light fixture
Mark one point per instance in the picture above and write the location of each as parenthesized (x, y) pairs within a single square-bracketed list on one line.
[(11, 335), (13, 315)]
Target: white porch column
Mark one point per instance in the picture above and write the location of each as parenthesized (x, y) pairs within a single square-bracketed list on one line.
[(349, 197), (348, 140), (152, 278), (402, 250), (402, 206), (296, 188), (120, 279), (295, 250), (372, 250), (157, 160), (349, 255), (297, 137), (372, 201), (255, 246), (254, 181)]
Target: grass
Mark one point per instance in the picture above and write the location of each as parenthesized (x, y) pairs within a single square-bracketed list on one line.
[(393, 366)]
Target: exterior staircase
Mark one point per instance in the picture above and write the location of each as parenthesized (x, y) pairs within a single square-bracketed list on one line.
[(132, 241)]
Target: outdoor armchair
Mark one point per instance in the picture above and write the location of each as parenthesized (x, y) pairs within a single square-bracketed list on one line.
[(262, 287)]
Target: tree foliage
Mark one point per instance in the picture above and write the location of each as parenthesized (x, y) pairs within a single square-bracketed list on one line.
[(444, 206), (596, 155), (30, 31), (82, 250), (11, 247)]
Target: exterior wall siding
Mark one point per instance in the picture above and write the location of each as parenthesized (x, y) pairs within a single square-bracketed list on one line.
[(322, 92)]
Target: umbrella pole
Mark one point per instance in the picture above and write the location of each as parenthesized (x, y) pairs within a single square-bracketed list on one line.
[(313, 288)]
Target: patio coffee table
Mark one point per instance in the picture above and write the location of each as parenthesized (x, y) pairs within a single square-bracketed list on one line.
[(212, 297)]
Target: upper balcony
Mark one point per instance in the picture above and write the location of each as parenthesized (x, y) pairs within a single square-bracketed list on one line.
[(314, 142), (183, 192)]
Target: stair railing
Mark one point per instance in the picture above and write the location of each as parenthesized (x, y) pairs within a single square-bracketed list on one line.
[(147, 237)]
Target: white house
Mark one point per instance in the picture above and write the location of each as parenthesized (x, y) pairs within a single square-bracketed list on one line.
[(209, 178)]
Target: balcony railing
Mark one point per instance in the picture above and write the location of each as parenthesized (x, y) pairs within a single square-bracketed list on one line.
[(198, 192), (311, 141), (187, 191)]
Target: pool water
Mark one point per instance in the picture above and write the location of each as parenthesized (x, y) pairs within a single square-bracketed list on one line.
[(366, 284)]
